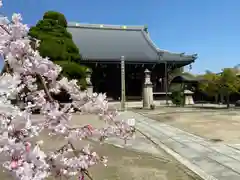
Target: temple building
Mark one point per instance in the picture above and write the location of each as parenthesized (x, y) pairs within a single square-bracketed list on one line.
[(102, 46)]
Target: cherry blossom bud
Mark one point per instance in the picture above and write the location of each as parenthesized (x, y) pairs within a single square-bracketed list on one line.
[(90, 128), (81, 177), (27, 146), (14, 164)]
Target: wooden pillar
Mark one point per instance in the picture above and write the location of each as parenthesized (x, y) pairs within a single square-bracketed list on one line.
[(166, 82), (123, 95)]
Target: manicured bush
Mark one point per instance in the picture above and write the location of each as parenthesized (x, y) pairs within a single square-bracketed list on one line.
[(56, 42), (177, 98)]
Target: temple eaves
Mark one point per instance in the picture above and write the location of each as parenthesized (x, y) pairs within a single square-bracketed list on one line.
[(101, 42)]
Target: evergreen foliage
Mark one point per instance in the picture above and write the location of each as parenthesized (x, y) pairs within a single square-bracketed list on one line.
[(56, 41), (57, 44)]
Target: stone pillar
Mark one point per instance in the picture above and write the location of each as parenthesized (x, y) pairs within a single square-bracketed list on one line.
[(89, 83), (147, 90)]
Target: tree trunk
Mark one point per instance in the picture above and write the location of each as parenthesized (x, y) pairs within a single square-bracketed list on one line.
[(221, 98), (228, 102), (216, 99)]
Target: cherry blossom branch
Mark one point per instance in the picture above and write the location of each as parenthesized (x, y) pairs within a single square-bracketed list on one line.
[(6, 69), (45, 88), (84, 171), (76, 153), (27, 67)]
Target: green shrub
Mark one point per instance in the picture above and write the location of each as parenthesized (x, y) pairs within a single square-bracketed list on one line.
[(57, 16), (72, 70), (177, 98)]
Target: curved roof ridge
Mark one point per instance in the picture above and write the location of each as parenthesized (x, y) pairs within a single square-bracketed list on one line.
[(178, 53), (167, 51), (156, 48), (106, 26), (150, 41)]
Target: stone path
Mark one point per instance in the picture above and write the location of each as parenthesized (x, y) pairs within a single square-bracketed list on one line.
[(209, 160)]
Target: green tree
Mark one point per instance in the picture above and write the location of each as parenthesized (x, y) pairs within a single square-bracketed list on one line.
[(56, 41), (210, 84), (229, 83), (57, 44)]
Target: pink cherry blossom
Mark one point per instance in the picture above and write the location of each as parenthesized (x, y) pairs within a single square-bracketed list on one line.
[(18, 126)]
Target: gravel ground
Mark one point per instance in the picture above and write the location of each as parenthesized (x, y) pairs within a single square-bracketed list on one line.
[(123, 163)]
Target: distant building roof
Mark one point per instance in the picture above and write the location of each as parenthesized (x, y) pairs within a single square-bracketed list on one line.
[(186, 78), (98, 42)]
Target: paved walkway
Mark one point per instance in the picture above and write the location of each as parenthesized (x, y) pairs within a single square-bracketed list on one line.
[(207, 159), (162, 103)]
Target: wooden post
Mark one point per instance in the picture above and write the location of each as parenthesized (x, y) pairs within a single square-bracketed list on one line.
[(166, 82), (123, 95)]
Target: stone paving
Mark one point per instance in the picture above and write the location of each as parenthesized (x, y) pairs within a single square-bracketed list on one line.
[(207, 159), (221, 125)]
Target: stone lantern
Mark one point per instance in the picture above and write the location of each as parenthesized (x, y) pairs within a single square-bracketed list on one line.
[(88, 81), (147, 90)]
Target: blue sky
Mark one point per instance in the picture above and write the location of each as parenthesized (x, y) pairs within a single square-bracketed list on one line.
[(210, 28)]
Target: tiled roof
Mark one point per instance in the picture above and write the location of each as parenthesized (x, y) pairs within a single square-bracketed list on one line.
[(98, 42)]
